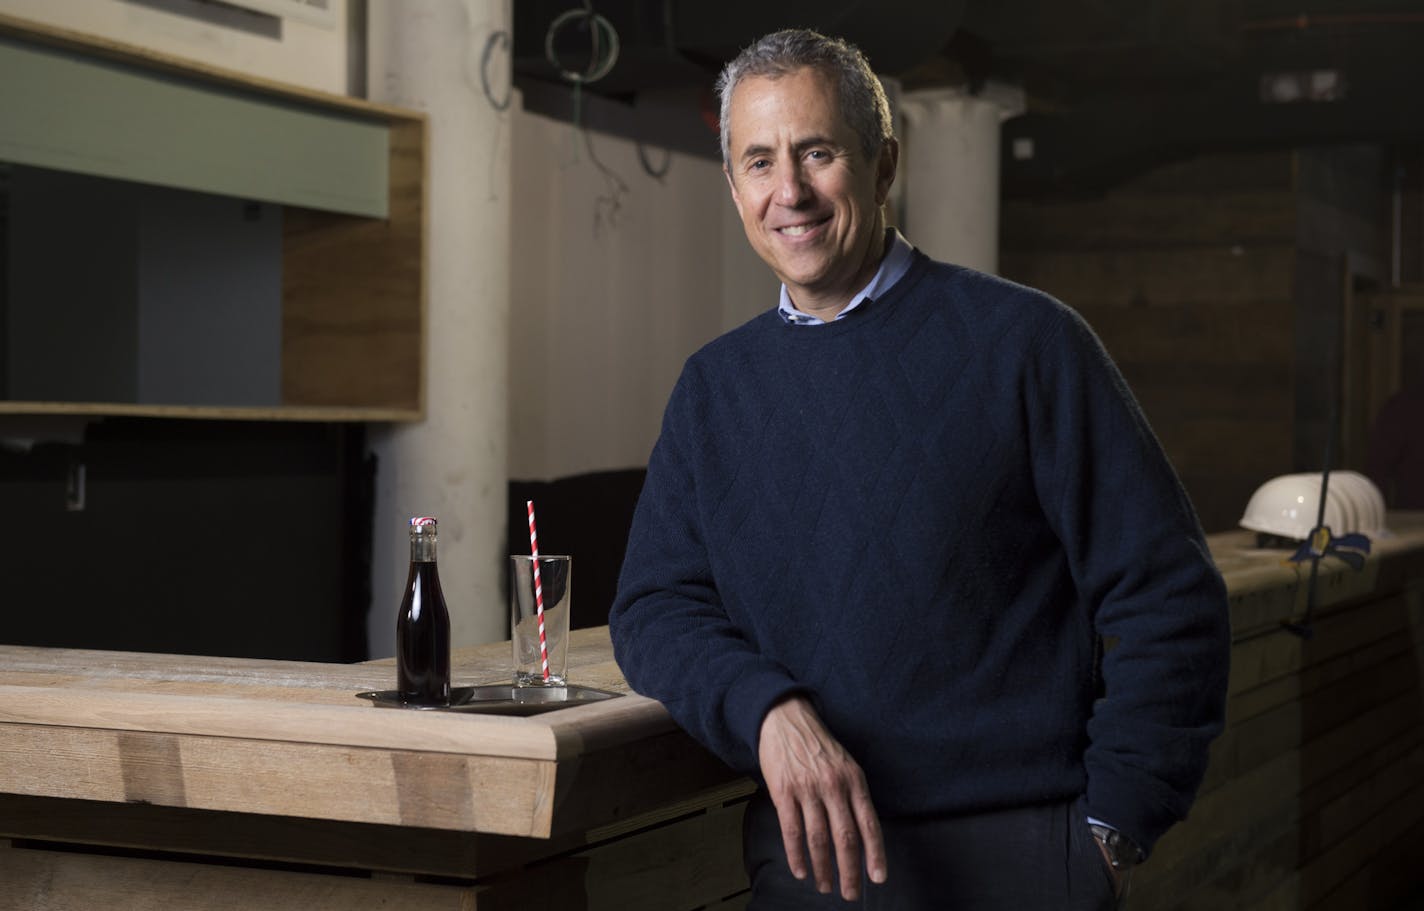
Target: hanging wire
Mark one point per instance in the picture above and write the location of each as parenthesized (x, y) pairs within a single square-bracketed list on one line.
[(658, 172), (496, 39), (600, 31), (607, 206), (603, 55), (487, 76)]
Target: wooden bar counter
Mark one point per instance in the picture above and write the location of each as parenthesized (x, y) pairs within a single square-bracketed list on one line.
[(186, 782), (158, 781)]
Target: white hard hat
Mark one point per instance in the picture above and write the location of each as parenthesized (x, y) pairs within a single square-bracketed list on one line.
[(1287, 505)]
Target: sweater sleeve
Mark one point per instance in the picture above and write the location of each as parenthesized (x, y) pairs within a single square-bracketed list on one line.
[(671, 635), (1140, 563)]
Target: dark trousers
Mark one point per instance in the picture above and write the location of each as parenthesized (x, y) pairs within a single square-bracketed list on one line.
[(1031, 859)]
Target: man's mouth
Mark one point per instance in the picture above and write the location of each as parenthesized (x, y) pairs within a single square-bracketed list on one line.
[(798, 230)]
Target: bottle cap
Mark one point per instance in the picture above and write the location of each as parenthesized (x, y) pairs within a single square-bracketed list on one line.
[(422, 520)]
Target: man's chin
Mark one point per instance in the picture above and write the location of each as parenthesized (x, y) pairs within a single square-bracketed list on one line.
[(804, 271)]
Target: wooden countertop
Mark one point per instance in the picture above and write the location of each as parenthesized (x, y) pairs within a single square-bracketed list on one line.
[(280, 738), (290, 738)]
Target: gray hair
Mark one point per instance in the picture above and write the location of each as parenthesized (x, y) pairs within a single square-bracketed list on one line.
[(861, 96)]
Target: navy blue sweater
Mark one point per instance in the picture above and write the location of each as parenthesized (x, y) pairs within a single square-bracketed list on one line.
[(924, 516)]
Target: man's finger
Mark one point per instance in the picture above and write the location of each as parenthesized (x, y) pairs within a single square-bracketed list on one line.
[(819, 846), (788, 814), (872, 840), (845, 831)]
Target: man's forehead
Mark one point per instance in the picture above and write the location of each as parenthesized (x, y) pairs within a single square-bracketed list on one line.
[(797, 79), (815, 89)]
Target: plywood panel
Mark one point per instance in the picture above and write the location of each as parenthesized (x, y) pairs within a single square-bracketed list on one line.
[(1187, 273), (683, 865), (392, 787), (1124, 219), (51, 880), (353, 295), (1156, 278)]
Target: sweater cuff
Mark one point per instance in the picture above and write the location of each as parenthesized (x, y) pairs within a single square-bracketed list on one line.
[(1136, 806), (750, 698)]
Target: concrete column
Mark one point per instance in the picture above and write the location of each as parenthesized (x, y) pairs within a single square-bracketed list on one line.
[(949, 164), (451, 60)]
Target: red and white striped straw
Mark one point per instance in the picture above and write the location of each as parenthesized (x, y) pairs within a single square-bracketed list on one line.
[(538, 590)]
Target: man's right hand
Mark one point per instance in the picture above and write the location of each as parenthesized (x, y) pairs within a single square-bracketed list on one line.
[(821, 799)]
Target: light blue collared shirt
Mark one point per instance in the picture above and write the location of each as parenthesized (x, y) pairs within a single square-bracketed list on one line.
[(892, 268)]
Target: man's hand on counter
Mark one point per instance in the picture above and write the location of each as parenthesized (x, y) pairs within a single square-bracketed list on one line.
[(821, 799)]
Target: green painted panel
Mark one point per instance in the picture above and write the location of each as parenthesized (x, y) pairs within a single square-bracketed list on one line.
[(71, 113)]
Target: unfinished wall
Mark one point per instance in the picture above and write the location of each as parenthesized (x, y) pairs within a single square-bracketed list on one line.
[(1342, 204), (617, 276), (1187, 275), (1218, 286)]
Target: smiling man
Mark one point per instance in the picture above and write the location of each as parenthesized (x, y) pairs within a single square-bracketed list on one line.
[(885, 530), (810, 194)]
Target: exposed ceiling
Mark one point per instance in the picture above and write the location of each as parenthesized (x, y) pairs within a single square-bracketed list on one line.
[(1112, 86), (1117, 85)]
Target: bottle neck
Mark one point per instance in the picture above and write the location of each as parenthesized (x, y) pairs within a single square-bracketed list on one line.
[(422, 548)]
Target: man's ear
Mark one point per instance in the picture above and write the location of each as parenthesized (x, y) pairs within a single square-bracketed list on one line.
[(885, 170), (732, 185)]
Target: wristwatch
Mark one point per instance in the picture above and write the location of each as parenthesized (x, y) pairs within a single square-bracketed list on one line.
[(1122, 853)]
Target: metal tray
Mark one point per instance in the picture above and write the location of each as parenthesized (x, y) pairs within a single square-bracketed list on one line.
[(499, 699)]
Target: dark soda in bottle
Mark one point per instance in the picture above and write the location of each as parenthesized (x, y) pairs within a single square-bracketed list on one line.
[(423, 626)]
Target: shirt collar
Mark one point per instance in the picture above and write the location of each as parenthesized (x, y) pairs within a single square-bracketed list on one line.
[(892, 268)]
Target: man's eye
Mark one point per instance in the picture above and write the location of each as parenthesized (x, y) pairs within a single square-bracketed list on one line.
[(818, 154), (760, 164)]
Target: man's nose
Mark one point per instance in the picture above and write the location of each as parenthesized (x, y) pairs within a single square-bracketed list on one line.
[(792, 188)]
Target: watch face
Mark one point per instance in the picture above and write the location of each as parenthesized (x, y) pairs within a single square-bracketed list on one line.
[(1122, 853)]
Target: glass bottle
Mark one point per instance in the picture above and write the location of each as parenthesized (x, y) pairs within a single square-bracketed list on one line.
[(423, 625)]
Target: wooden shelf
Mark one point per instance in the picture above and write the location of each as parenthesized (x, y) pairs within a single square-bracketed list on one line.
[(352, 286), (332, 414)]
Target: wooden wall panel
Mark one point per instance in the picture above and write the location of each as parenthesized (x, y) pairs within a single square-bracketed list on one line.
[(1158, 218), (353, 293), (1217, 285), (1187, 275), (692, 861), (1154, 278), (61, 880), (1316, 786)]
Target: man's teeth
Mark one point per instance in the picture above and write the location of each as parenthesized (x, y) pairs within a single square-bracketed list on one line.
[(796, 230)]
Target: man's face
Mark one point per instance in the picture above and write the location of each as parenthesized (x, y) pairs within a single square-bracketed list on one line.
[(809, 200)]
